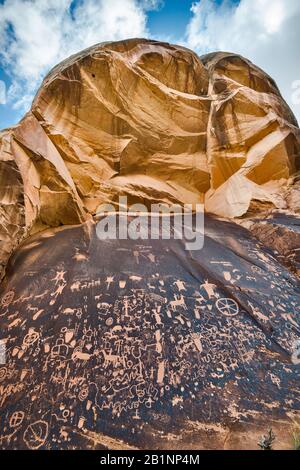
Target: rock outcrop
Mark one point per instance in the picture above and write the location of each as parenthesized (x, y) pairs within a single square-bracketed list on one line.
[(142, 344), (152, 121), (118, 344)]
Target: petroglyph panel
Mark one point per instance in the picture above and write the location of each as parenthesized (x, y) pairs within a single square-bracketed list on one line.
[(132, 340)]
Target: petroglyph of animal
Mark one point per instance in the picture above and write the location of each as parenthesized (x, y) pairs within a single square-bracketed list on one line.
[(111, 359), (178, 302)]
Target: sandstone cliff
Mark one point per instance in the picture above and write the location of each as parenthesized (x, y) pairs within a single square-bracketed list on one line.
[(152, 121), (121, 344)]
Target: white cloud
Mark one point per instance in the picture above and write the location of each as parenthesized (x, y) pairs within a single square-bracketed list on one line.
[(18, 98), (265, 31), (2, 92), (37, 34)]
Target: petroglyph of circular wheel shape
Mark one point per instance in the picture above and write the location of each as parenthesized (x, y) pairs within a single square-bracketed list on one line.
[(16, 419), (228, 307), (66, 414), (7, 298), (35, 434)]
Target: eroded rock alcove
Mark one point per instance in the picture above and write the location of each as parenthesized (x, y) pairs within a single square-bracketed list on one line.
[(152, 121)]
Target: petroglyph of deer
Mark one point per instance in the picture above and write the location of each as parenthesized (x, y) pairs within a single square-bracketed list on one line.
[(110, 358), (178, 302)]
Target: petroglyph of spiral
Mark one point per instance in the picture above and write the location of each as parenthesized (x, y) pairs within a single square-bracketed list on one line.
[(228, 307)]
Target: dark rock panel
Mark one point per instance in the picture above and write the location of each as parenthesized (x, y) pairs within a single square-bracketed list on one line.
[(123, 344)]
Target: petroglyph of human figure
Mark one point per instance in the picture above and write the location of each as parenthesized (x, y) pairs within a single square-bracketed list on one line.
[(58, 292), (209, 288), (197, 341), (60, 277), (109, 281), (180, 285)]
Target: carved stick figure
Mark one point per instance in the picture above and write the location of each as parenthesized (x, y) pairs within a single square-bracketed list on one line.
[(209, 288)]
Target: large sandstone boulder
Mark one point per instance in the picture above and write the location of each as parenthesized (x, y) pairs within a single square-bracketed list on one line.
[(152, 121), (253, 137), (143, 344)]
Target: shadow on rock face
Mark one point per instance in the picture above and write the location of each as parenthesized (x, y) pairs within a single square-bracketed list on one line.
[(152, 121)]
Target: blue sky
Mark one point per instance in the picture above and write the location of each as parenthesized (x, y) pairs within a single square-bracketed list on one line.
[(170, 19), (37, 34)]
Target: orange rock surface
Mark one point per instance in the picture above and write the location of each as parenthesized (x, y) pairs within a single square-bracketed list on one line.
[(125, 344), (151, 121)]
